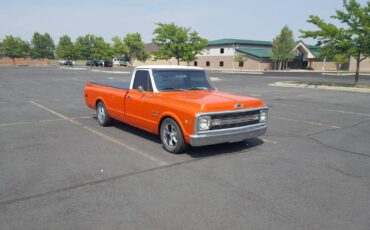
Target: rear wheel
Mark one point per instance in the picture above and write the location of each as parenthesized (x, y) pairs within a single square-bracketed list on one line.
[(102, 114), (172, 137)]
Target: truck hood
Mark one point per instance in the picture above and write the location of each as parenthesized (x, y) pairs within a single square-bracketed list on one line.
[(207, 101)]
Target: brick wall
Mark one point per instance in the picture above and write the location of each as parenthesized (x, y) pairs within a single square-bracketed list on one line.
[(22, 61), (364, 65)]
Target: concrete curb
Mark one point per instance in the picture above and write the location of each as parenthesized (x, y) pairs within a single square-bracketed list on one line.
[(243, 72), (111, 71), (72, 68), (306, 86)]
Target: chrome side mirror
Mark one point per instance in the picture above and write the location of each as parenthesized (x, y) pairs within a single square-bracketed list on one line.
[(140, 88)]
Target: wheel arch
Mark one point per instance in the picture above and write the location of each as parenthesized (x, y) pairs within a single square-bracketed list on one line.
[(177, 120)]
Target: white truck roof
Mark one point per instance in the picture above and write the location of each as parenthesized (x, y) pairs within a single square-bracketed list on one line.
[(168, 67)]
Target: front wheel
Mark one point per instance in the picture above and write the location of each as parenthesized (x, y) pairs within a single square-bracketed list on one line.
[(102, 114), (171, 136)]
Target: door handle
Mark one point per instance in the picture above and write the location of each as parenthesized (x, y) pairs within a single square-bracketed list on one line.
[(129, 97)]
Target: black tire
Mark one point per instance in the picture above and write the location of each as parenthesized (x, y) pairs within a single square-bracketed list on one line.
[(172, 137), (102, 114)]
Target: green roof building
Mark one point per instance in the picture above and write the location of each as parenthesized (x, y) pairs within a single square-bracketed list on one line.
[(220, 54)]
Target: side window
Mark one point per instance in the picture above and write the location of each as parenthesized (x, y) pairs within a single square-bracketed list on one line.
[(142, 78)]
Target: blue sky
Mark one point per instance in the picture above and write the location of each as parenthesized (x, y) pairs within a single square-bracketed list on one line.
[(258, 20)]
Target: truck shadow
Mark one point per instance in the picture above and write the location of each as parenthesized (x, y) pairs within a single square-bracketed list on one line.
[(194, 152), (136, 131), (222, 149)]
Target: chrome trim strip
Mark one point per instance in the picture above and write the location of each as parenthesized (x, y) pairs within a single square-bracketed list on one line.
[(228, 136)]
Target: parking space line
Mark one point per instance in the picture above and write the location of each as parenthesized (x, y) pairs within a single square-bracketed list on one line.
[(160, 162), (269, 141), (306, 122), (329, 110), (85, 117), (29, 122)]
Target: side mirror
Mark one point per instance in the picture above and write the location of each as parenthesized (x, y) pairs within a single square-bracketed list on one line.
[(140, 88)]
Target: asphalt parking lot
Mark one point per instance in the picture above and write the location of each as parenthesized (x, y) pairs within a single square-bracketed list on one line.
[(60, 170)]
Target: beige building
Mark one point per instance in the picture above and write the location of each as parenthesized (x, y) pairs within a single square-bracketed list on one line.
[(220, 54)]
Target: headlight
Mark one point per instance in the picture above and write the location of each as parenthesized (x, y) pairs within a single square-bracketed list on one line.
[(204, 123), (263, 116)]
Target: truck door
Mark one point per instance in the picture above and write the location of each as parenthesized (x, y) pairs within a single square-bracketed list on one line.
[(136, 99)]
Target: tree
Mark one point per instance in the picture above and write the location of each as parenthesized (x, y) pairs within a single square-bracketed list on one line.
[(84, 46), (282, 48), (42, 46), (119, 48), (352, 40), (102, 50), (340, 59), (178, 42), (91, 47), (240, 59), (15, 47), (135, 46), (65, 48), (143, 56)]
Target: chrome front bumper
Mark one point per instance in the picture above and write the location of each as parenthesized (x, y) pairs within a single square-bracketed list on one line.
[(228, 135)]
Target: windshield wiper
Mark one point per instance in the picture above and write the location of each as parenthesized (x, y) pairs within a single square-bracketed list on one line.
[(172, 88)]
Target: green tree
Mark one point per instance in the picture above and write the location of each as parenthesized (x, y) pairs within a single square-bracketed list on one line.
[(135, 46), (340, 59), (119, 48), (91, 47), (102, 50), (65, 48), (42, 46), (282, 48), (178, 42), (353, 39), (143, 56), (240, 58), (84, 46), (15, 47)]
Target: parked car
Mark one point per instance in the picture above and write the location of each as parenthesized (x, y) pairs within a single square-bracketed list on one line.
[(108, 63), (66, 62), (115, 61), (180, 104), (95, 62), (122, 61)]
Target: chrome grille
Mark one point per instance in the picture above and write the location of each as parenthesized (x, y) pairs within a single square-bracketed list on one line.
[(236, 119)]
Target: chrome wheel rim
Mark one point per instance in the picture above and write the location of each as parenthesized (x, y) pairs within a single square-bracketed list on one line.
[(170, 136), (101, 114)]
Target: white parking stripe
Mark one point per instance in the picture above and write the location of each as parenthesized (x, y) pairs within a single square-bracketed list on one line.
[(306, 122), (30, 122), (160, 162), (329, 110), (269, 141)]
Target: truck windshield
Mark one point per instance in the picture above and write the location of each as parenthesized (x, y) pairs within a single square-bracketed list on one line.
[(175, 80)]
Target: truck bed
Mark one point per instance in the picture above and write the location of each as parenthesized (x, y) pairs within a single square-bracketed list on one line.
[(113, 95), (113, 84)]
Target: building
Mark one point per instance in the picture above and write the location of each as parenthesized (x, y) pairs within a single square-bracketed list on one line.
[(220, 54)]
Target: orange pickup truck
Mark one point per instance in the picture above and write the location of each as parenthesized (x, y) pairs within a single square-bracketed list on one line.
[(180, 104)]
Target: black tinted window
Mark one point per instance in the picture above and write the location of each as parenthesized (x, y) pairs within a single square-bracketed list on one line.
[(142, 78)]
